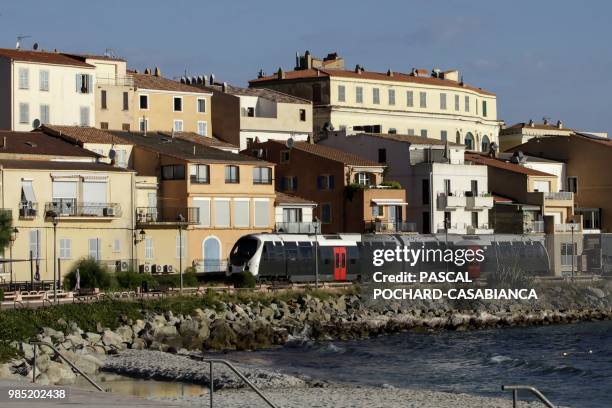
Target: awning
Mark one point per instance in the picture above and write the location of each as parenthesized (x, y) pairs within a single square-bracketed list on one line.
[(389, 201), (28, 191)]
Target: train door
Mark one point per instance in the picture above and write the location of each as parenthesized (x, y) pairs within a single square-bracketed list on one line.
[(339, 263)]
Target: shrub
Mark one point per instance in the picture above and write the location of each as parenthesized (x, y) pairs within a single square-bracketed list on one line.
[(174, 280), (92, 273), (395, 185), (510, 276), (243, 280), (133, 280), (1, 295)]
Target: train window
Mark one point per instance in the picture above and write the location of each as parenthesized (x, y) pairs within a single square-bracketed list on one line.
[(244, 250), (305, 252), (291, 251), (344, 260)]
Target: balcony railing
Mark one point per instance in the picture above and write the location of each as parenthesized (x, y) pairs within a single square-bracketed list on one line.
[(199, 180), (559, 195), (451, 200), (210, 265), (72, 208), (535, 227), (262, 181), (114, 80), (478, 201), (167, 215), (452, 228), (386, 226), (28, 210), (575, 227), (298, 227), (479, 229)]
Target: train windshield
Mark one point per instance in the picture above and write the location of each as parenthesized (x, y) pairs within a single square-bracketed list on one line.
[(244, 250)]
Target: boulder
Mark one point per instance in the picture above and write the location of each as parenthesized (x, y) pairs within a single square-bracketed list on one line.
[(126, 333), (60, 374), (139, 344), (93, 337), (110, 338)]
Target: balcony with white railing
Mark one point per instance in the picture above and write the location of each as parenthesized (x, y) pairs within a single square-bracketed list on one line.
[(559, 195), (451, 201), (453, 228), (298, 227), (114, 80), (70, 208), (210, 265), (568, 227), (533, 227), (479, 229), (387, 227), (479, 201)]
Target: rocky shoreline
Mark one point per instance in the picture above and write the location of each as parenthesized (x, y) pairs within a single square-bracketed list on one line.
[(259, 324)]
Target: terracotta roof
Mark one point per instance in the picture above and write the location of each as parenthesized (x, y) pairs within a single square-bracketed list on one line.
[(412, 139), (596, 139), (150, 81), (501, 199), (82, 134), (504, 165), (183, 149), (204, 140), (40, 143), (378, 76), (333, 154), (540, 126), (266, 94), (58, 165), (43, 57), (283, 198), (94, 56)]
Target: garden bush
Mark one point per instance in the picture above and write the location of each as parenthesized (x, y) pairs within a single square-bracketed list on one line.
[(243, 280), (92, 273), (132, 280)]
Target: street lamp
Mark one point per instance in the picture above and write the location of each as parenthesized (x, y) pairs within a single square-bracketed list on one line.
[(180, 228), (13, 238), (572, 226), (54, 220), (316, 228), (138, 238)]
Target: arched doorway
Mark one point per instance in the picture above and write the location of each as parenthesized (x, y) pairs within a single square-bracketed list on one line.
[(485, 143), (211, 254), (469, 141)]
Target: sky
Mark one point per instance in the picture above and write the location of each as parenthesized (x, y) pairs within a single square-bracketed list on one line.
[(542, 58)]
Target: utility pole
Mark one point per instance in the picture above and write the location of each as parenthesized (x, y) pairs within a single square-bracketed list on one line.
[(180, 228), (55, 258), (316, 227)]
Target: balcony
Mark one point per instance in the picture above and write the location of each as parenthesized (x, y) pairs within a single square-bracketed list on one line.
[(480, 201), (456, 228), (210, 265), (479, 229), (114, 80), (28, 210), (559, 195), (568, 228), (534, 227), (167, 216), (388, 227), (451, 201), (298, 227), (67, 208)]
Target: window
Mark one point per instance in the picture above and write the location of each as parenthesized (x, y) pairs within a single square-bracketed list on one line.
[(173, 172), (201, 105), (84, 83), (303, 115), (484, 108), (392, 131), (341, 93), (179, 246), (148, 248), (443, 101), (363, 178), (425, 191), (202, 128), (103, 125), (443, 135), (316, 93), (326, 213), (262, 212), (568, 250), (447, 187), (292, 215), (121, 158), (426, 223), (126, 126), (382, 155), (410, 132), (65, 248), (199, 174), (44, 114), (95, 248), (325, 182), (242, 212), (232, 174), (250, 112), (284, 156), (117, 246), (391, 96), (469, 141), (24, 112), (591, 217), (376, 96), (178, 104), (103, 99), (410, 99), (84, 118), (572, 184), (35, 243), (143, 124), (178, 125), (43, 80), (485, 143), (467, 103), (474, 187), (456, 102), (359, 94), (203, 206), (144, 102), (262, 175), (475, 219), (289, 183), (24, 78), (423, 132), (377, 211), (423, 99), (126, 105)]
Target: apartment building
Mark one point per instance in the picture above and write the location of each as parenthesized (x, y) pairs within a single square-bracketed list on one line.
[(294, 215), (347, 189), (444, 192), (65, 205), (587, 159), (211, 197), (435, 105), (45, 87), (243, 115), (524, 196), (522, 132)]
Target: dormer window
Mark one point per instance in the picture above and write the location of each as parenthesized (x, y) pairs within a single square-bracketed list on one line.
[(364, 179)]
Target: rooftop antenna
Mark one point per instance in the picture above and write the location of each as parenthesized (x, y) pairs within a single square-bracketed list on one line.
[(109, 53), (20, 38)]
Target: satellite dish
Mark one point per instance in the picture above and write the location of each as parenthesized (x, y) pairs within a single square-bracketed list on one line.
[(289, 143), (111, 154), (36, 123), (35, 46)]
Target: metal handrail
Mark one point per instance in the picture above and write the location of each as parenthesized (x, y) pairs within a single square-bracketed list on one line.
[(75, 368), (242, 377), (515, 389)]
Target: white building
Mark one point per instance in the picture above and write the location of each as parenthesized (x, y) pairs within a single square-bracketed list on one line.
[(439, 185), (293, 214), (45, 87)]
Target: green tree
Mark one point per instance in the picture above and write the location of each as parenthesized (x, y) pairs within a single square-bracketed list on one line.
[(6, 228)]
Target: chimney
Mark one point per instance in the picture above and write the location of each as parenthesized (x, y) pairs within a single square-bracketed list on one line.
[(280, 74), (560, 124), (546, 121), (211, 79), (531, 123), (157, 72), (224, 87), (147, 71), (390, 73)]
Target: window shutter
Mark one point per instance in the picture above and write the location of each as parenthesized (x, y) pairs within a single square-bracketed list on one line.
[(331, 182), (89, 83), (77, 83)]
